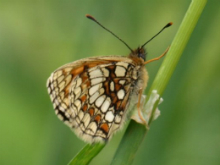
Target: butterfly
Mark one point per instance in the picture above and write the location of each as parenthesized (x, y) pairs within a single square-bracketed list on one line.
[(92, 95)]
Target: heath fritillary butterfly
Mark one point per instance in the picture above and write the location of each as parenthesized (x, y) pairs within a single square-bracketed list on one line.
[(92, 95)]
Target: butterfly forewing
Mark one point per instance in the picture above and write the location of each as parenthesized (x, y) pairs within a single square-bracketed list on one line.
[(92, 95)]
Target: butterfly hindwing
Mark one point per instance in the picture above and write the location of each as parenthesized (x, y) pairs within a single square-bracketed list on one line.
[(92, 98)]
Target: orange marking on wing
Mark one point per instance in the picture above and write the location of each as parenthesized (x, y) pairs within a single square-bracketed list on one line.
[(97, 118), (84, 77), (114, 98), (85, 107), (91, 111), (117, 87), (88, 83), (123, 105), (95, 63), (83, 98), (112, 75), (116, 80), (111, 67), (92, 64), (118, 105), (106, 85), (124, 102), (77, 70), (112, 70), (66, 91), (64, 72), (105, 128)]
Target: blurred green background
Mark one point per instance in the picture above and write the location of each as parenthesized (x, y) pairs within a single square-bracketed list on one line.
[(36, 37)]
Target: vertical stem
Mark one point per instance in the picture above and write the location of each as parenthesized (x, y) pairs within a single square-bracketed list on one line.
[(134, 133), (178, 45)]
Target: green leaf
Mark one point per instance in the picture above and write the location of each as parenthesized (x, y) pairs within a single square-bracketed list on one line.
[(87, 154)]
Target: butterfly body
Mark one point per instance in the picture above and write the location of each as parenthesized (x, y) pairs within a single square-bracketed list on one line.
[(92, 95)]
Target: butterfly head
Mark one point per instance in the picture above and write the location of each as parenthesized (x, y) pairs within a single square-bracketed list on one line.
[(140, 52)]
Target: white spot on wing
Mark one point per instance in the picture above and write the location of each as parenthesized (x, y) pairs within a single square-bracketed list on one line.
[(73, 83), (64, 106), (74, 110), (67, 123), (121, 94), (86, 119), (123, 64), (68, 69), (67, 114), (78, 104), (77, 120), (93, 89), (77, 92), (97, 80), (61, 95), (57, 74), (99, 101), (93, 97), (105, 72), (106, 105), (96, 73), (122, 82), (68, 111), (61, 108), (68, 79), (54, 106), (62, 85), (60, 117), (112, 86), (54, 84), (51, 97), (92, 126), (117, 119), (53, 94), (120, 71), (60, 79), (48, 90), (109, 116), (81, 114), (78, 82)]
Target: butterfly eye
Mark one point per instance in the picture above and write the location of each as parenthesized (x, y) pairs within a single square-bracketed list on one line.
[(142, 55)]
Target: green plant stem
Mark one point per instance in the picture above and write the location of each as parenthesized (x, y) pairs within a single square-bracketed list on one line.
[(87, 154), (134, 134)]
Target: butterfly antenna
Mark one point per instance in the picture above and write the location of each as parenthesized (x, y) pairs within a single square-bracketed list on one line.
[(167, 25), (93, 19)]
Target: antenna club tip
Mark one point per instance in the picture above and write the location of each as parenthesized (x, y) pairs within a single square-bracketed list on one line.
[(168, 25), (90, 17)]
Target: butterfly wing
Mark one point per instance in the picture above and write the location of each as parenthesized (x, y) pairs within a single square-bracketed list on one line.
[(92, 95)]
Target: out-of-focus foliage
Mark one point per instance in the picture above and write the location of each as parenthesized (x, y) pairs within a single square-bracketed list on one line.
[(36, 37)]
